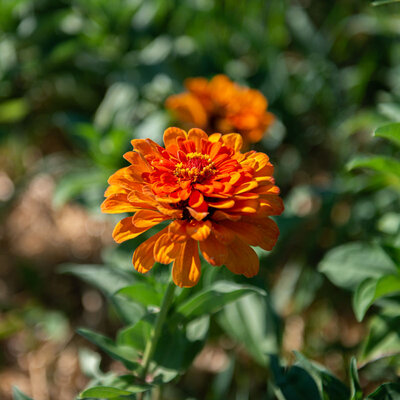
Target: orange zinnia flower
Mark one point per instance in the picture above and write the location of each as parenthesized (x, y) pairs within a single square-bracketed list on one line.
[(216, 197), (221, 105)]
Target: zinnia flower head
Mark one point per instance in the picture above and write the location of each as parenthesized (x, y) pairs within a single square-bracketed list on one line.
[(220, 105), (217, 200)]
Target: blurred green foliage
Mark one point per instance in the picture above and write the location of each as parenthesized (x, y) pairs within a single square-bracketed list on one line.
[(80, 79)]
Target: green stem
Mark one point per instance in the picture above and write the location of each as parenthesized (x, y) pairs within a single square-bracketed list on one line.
[(155, 334)]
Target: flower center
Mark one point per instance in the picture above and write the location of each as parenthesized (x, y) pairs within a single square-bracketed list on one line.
[(196, 168)]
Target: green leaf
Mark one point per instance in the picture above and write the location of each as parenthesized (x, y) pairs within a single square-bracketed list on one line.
[(212, 299), (372, 289), (75, 183), (117, 106), (120, 353), (387, 391), (109, 386), (109, 280), (178, 345), (104, 392), (137, 335), (350, 264), (382, 2), (356, 391), (127, 310), (294, 383), (383, 337), (142, 293), (327, 383), (13, 110), (387, 166), (259, 330), (390, 131), (18, 395)]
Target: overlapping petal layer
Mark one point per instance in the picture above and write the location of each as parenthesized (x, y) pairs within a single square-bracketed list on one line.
[(220, 105), (216, 198)]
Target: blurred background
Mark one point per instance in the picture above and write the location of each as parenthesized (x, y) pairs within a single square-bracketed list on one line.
[(79, 79)]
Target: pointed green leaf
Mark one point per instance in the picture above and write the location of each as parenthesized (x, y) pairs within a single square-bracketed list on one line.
[(350, 264), (259, 330), (388, 166), (137, 335), (123, 387), (382, 2), (18, 395), (327, 383), (142, 293), (179, 345), (128, 311), (104, 392), (389, 131), (120, 353), (75, 183), (212, 299), (109, 280), (293, 383), (356, 391), (387, 391), (383, 337), (371, 290)]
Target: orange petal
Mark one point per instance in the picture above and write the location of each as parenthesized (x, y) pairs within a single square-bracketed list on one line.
[(115, 189), (223, 234), (186, 267), (126, 178), (165, 249), (196, 199), (246, 206), (198, 216), (148, 218), (214, 137), (221, 215), (196, 135), (267, 188), (247, 232), (270, 205), (228, 203), (116, 204), (125, 230), (198, 230), (146, 147), (138, 161), (215, 148), (242, 259), (188, 108), (214, 251), (246, 187), (171, 212), (171, 134), (246, 196), (268, 230), (143, 258), (178, 230), (233, 140), (144, 200)]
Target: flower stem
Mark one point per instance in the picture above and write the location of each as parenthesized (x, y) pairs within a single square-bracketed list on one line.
[(155, 334)]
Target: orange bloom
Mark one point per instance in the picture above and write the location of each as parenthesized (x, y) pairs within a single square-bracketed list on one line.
[(221, 105), (216, 198)]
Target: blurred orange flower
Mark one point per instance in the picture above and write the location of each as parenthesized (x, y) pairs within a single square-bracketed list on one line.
[(215, 197), (220, 105)]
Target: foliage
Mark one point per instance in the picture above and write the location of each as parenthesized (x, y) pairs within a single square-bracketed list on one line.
[(80, 79)]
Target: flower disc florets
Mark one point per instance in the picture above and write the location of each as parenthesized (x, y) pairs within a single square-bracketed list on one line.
[(215, 197)]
